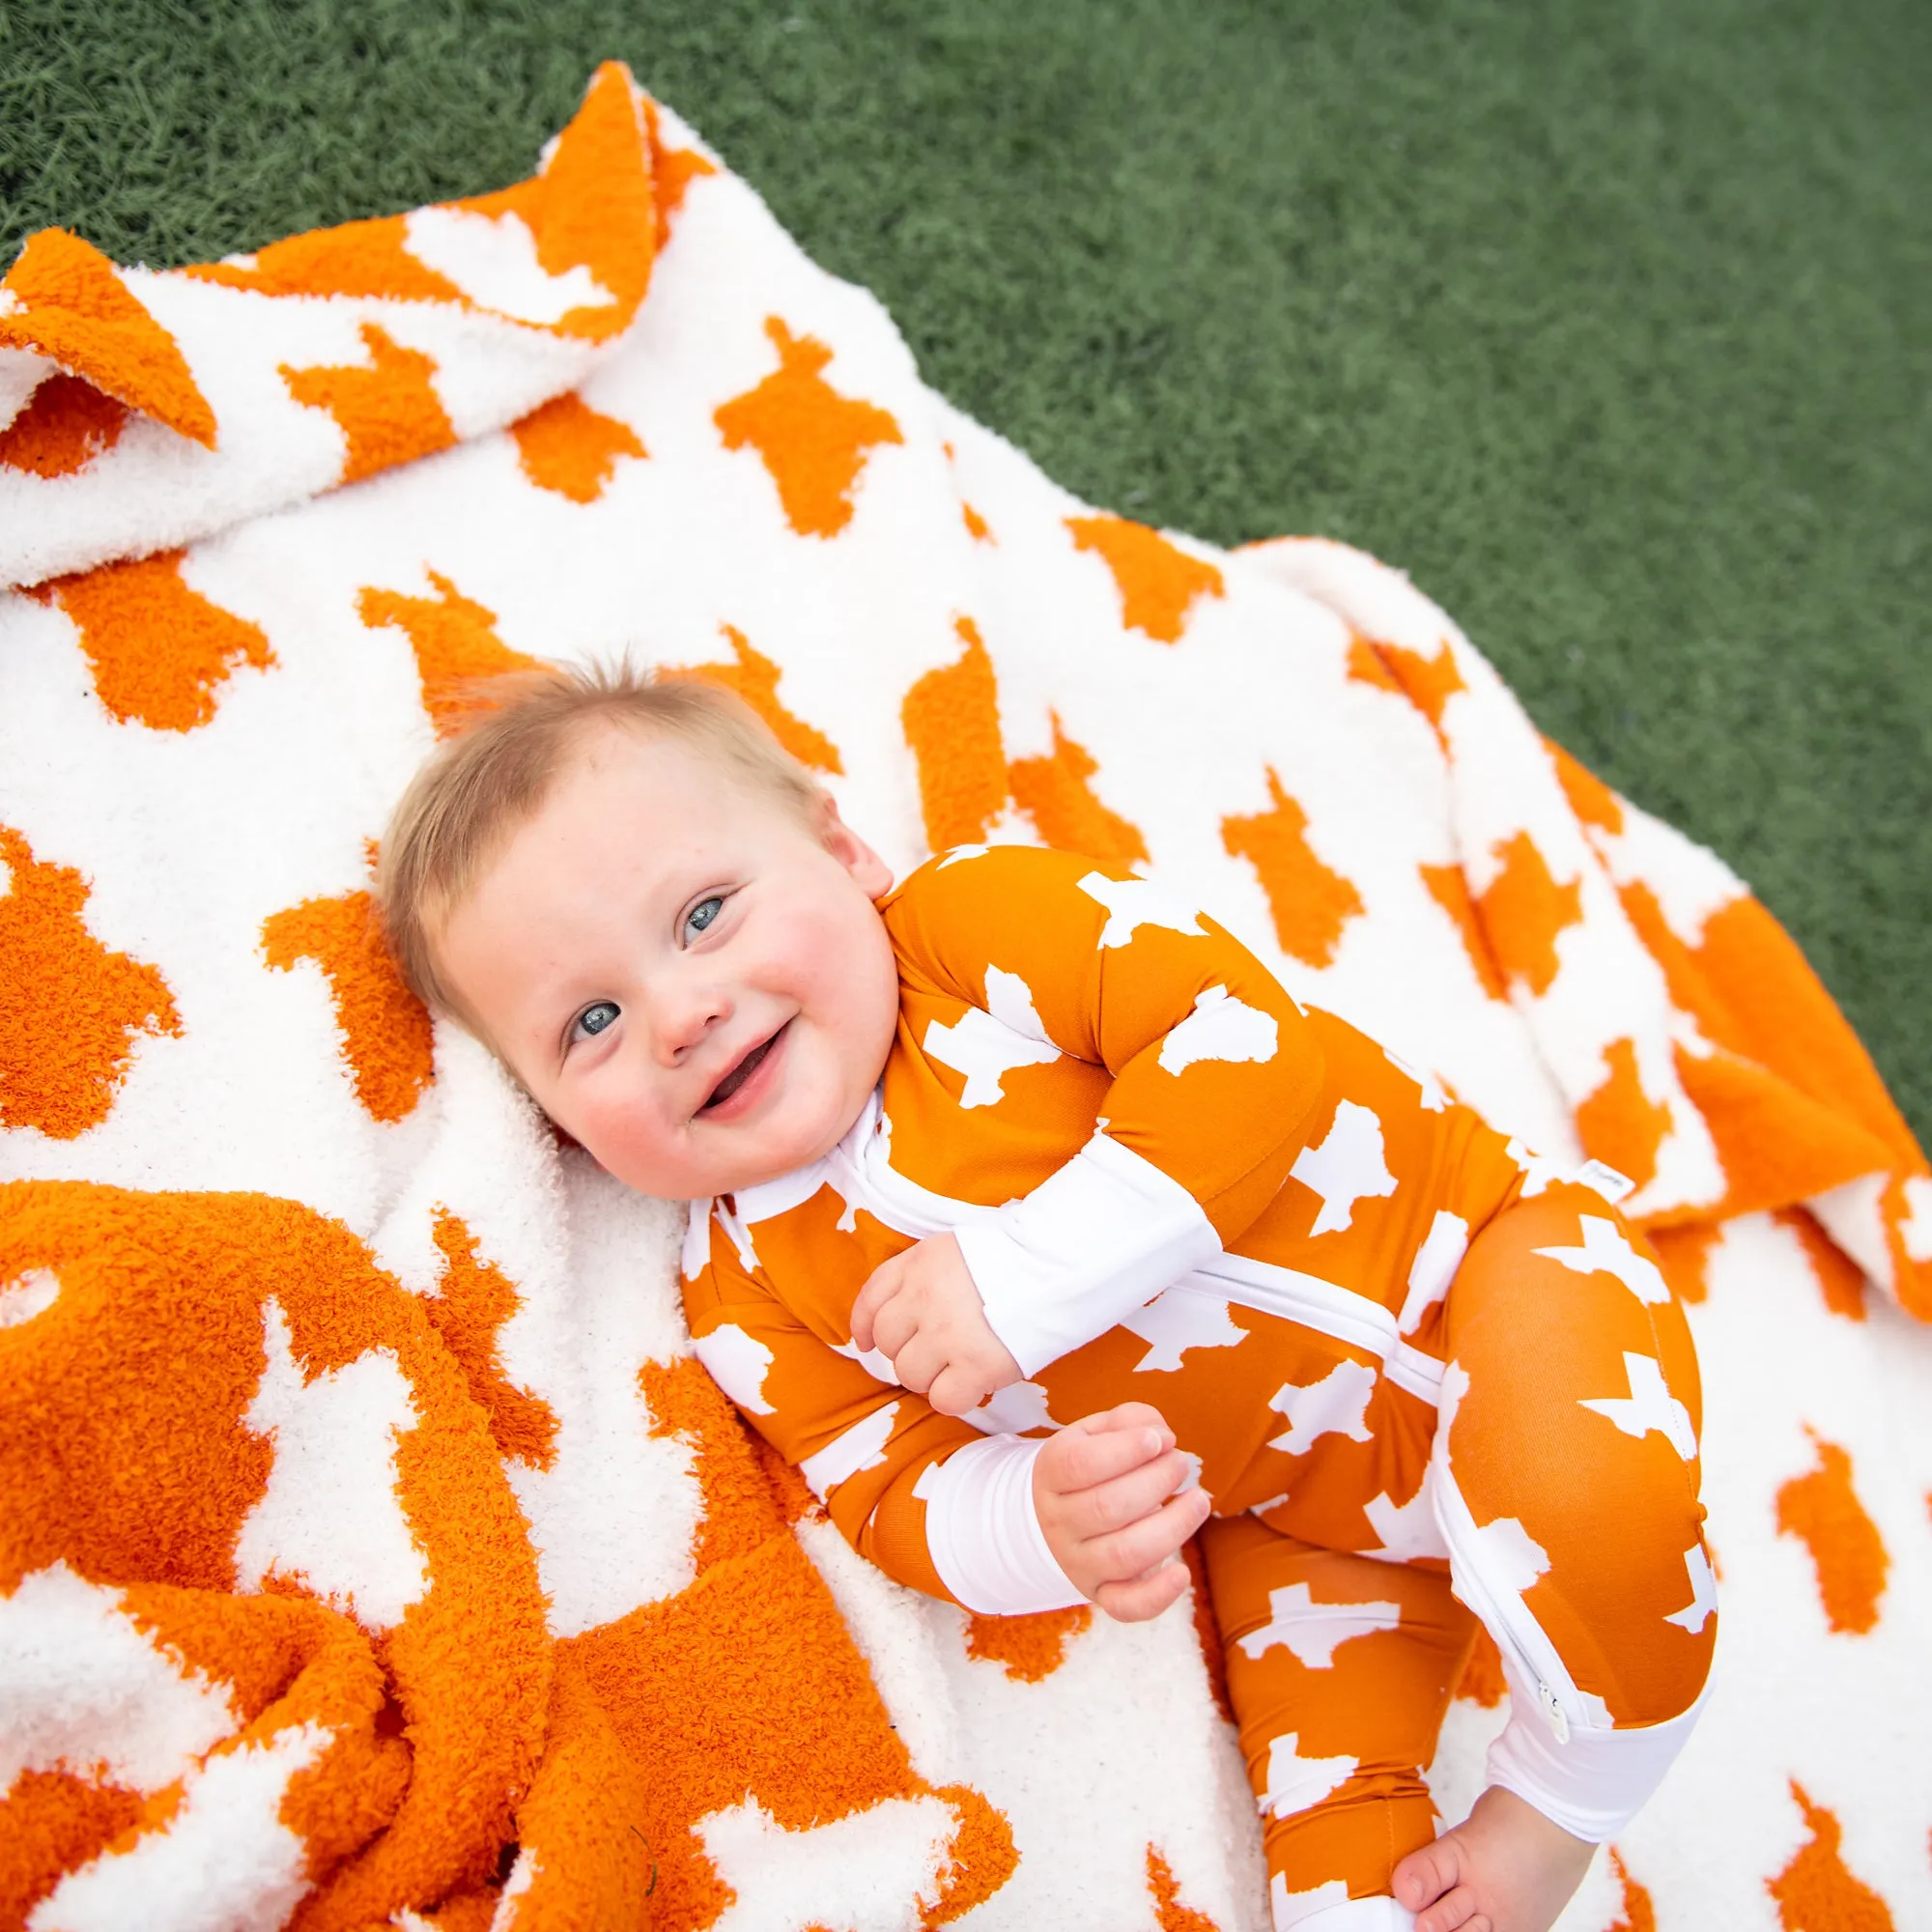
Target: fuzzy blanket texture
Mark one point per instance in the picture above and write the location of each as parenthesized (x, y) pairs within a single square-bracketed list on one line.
[(375, 1552)]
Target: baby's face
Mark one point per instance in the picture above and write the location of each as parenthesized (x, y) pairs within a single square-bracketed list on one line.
[(691, 979)]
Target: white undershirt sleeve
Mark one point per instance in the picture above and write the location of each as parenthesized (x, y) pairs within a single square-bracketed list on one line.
[(983, 1534), (1077, 1256)]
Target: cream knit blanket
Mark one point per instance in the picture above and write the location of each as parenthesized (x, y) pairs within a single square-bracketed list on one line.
[(373, 1551)]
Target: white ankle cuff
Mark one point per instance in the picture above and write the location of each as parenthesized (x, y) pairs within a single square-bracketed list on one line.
[(1329, 1908), (1592, 1783)]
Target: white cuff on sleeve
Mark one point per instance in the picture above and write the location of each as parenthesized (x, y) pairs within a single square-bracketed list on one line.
[(1077, 1256), (983, 1534)]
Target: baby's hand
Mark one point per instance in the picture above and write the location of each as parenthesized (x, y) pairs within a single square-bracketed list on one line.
[(1104, 1491), (922, 1310)]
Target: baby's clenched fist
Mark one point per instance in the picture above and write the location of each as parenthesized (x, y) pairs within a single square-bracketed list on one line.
[(1105, 1491), (922, 1311)]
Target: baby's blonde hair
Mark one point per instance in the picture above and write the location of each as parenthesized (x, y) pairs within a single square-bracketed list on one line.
[(493, 776)]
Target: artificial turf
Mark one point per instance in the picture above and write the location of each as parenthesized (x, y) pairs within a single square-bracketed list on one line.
[(1610, 320)]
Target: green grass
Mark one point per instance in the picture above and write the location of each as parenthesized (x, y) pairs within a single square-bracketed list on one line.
[(1610, 320)]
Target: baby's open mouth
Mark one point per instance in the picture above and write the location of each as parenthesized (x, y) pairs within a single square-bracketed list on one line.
[(742, 1073)]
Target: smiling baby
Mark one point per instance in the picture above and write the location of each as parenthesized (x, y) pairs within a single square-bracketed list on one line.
[(1038, 1225)]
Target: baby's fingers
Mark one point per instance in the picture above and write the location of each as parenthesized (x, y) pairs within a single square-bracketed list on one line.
[(1113, 1505), (958, 1388), (1097, 1449), (1129, 1553), (879, 1290), (1123, 1415), (1142, 1598), (918, 1362)]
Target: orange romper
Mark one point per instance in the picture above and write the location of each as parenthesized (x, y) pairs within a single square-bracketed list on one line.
[(1417, 1368)]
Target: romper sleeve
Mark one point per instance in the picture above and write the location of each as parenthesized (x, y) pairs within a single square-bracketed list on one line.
[(1214, 1073), (928, 1498)]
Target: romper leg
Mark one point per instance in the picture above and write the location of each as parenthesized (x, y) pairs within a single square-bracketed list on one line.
[(1565, 1481), (1339, 1668)]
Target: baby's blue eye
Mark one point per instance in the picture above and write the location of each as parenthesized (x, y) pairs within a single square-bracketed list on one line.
[(593, 1019), (703, 913)]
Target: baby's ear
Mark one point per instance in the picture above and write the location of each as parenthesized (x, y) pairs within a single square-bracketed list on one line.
[(869, 873)]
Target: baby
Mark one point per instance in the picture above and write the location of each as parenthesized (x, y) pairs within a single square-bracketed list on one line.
[(1043, 1230)]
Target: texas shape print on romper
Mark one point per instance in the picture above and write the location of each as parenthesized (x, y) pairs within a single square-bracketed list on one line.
[(1404, 1353)]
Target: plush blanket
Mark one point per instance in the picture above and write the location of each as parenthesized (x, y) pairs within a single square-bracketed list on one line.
[(374, 1549)]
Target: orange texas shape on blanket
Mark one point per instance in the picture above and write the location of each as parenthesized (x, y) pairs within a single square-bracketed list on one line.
[(1816, 1891), (1637, 1913), (455, 642), (1619, 1122), (566, 446), (387, 1038), (66, 424), (812, 439), (1449, 888), (1823, 1511), (1310, 903), (472, 1301), (158, 649), (1527, 911), (1158, 581), (1429, 682), (70, 1008), (1054, 792), (1028, 1648), (755, 678), (952, 722), (388, 412)]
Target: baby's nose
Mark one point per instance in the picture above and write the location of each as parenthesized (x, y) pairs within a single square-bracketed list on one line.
[(685, 1015)]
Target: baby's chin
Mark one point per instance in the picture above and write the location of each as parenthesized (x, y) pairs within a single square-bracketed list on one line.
[(770, 1164), (798, 1134), (729, 1169)]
